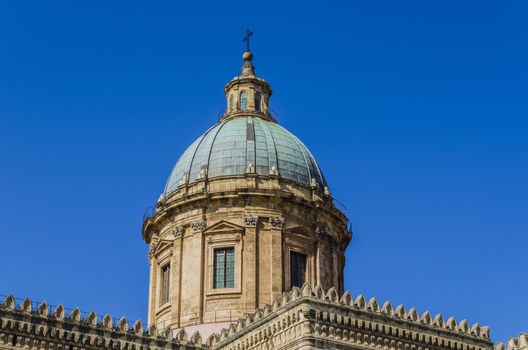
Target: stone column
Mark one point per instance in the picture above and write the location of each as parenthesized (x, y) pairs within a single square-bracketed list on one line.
[(276, 261)]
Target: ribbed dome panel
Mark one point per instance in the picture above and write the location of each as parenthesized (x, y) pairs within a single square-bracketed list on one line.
[(230, 146)]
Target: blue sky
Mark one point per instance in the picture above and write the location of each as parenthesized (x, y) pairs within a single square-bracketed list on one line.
[(416, 111)]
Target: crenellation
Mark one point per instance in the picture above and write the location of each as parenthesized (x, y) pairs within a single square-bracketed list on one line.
[(333, 322), (122, 324), (23, 329), (75, 315), (107, 322), (361, 302), (59, 312), (426, 318), (438, 321), (91, 319), (387, 308), (412, 315), (518, 343), (373, 305)]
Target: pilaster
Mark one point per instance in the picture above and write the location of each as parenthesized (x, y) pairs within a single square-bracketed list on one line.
[(152, 290), (250, 261), (276, 259), (176, 277)]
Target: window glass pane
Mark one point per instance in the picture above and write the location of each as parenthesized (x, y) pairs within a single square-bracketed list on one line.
[(165, 283), (224, 268), (243, 101), (230, 268), (257, 101), (297, 269)]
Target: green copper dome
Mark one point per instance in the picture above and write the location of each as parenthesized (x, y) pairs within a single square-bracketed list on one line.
[(245, 144)]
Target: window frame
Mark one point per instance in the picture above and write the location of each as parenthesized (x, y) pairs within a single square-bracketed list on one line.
[(164, 284), (298, 278), (220, 235), (258, 101), (244, 101), (228, 263)]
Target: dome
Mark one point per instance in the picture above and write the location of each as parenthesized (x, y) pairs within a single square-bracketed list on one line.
[(236, 146)]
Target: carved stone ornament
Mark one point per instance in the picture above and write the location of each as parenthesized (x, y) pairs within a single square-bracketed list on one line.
[(251, 220), (324, 236), (319, 232), (276, 222), (178, 231), (198, 225)]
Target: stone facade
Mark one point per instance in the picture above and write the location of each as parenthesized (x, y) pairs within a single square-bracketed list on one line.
[(264, 219)]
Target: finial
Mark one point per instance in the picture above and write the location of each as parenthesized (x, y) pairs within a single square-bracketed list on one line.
[(247, 68), (249, 33)]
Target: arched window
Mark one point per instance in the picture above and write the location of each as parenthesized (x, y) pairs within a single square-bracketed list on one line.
[(257, 101), (243, 101), (231, 102)]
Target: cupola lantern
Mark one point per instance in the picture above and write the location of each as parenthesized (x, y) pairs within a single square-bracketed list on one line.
[(247, 94)]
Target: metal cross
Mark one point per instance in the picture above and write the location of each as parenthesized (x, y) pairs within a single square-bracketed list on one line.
[(249, 33)]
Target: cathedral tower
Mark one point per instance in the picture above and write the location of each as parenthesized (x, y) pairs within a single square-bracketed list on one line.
[(246, 215)]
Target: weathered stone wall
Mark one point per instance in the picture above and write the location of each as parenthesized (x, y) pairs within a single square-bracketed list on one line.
[(21, 327), (307, 318), (519, 343), (312, 319), (263, 218)]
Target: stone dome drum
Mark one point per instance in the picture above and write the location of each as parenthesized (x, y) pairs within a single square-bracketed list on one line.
[(246, 144)]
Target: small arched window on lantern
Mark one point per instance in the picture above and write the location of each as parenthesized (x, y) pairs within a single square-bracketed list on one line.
[(231, 102), (243, 101), (257, 101)]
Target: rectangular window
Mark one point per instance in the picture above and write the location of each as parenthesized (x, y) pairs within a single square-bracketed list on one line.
[(224, 268), (165, 284), (297, 269)]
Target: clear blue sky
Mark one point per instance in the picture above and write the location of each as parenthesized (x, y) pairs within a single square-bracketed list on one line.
[(416, 111)]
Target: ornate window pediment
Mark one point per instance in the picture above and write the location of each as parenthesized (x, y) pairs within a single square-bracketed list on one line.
[(224, 226), (161, 246), (302, 233)]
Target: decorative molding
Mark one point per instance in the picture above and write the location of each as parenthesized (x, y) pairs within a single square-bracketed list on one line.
[(223, 226), (324, 236), (276, 222), (178, 232), (199, 225), (251, 220)]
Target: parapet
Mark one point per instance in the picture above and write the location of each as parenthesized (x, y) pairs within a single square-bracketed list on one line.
[(322, 319), (23, 327), (519, 343), (305, 318)]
